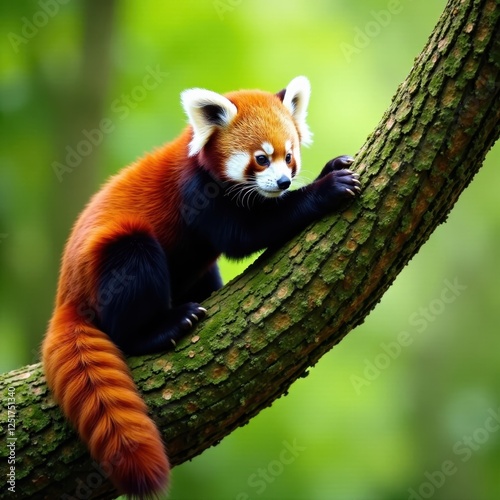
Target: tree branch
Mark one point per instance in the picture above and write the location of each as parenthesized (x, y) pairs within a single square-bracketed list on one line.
[(268, 326)]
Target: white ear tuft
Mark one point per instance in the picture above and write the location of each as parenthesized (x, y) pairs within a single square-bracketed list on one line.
[(206, 110), (296, 100)]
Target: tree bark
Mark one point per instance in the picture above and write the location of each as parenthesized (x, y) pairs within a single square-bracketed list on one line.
[(269, 325)]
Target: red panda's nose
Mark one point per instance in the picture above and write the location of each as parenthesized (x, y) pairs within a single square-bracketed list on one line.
[(283, 182)]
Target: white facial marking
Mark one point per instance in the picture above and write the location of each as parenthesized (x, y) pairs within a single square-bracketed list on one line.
[(267, 180), (268, 148), (288, 146), (235, 166), (279, 169)]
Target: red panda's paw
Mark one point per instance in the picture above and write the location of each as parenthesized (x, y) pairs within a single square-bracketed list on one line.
[(339, 163), (192, 314), (177, 323), (183, 318), (346, 182), (335, 188)]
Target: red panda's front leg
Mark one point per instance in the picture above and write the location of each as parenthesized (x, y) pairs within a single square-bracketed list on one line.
[(335, 183), (238, 231), (209, 282), (134, 304)]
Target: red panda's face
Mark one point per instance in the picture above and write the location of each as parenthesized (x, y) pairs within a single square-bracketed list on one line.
[(251, 138), (274, 168), (260, 149)]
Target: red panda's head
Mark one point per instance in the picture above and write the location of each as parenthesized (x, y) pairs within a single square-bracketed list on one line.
[(250, 137)]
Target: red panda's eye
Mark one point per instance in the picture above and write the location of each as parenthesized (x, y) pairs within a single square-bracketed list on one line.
[(262, 160), (288, 158)]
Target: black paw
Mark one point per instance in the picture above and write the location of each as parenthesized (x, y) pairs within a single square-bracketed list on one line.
[(340, 163), (181, 319), (190, 314), (335, 188), (346, 183)]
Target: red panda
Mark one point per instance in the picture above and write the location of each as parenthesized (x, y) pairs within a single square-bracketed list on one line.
[(142, 256)]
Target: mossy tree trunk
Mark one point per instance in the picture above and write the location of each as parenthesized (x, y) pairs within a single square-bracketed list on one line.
[(268, 326)]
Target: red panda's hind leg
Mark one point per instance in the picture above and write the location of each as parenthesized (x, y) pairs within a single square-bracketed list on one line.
[(210, 282), (134, 303)]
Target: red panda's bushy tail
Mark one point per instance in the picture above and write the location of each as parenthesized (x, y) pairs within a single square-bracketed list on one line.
[(92, 383)]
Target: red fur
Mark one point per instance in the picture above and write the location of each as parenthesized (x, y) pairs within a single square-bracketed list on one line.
[(91, 381), (85, 370)]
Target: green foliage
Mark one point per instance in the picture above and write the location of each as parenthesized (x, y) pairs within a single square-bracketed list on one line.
[(398, 398)]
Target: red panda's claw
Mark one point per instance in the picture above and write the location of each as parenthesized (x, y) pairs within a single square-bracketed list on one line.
[(193, 313), (187, 324), (337, 164), (201, 312)]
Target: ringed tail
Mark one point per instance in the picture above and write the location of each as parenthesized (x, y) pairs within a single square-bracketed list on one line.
[(91, 382)]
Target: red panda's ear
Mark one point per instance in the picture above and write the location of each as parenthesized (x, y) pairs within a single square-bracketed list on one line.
[(296, 99), (206, 110)]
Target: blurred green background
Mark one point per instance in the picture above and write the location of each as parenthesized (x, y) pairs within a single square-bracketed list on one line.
[(372, 420)]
